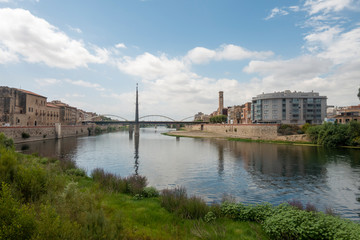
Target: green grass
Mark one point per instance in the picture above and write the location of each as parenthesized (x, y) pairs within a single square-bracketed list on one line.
[(271, 141), (146, 219)]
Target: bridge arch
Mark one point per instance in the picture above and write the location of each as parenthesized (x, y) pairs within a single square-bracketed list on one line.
[(158, 116), (186, 118), (107, 115)]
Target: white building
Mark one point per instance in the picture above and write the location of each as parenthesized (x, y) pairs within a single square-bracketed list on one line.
[(289, 108)]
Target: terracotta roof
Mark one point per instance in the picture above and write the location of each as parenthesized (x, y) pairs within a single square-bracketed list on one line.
[(28, 92), (51, 105)]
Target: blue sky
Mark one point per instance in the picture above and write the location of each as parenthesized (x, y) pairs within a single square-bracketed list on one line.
[(91, 54)]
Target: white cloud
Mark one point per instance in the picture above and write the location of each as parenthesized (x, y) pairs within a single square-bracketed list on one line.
[(77, 30), (4, 1), (47, 81), (326, 6), (82, 83), (200, 55), (275, 12), (27, 37), (344, 48), (7, 56), (150, 67), (292, 70), (120, 45)]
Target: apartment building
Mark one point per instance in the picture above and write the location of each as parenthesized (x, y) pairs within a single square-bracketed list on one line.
[(289, 108)]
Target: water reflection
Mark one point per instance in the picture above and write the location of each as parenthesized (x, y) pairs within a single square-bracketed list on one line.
[(136, 156)]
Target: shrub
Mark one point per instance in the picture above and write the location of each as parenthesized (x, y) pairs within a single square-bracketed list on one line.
[(296, 203), (30, 182), (16, 221), (210, 217), (333, 134), (172, 198), (25, 135), (150, 192), (289, 129), (193, 208), (288, 222), (135, 184), (176, 200), (109, 181), (8, 165), (6, 142), (76, 172)]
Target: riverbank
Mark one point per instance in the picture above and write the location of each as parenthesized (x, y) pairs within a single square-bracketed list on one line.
[(300, 139)]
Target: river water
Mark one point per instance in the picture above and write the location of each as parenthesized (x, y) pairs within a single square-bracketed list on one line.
[(250, 172)]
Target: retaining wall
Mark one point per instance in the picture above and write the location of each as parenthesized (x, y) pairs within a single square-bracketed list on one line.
[(251, 131), (45, 132)]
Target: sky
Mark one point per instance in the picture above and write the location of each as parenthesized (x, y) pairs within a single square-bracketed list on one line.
[(90, 53)]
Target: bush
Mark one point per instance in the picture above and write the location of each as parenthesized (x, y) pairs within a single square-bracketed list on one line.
[(176, 201), (6, 142), (289, 129), (172, 198), (109, 181), (288, 222), (150, 192), (8, 165), (76, 172), (30, 182), (135, 184), (210, 217), (218, 119), (16, 221), (25, 135)]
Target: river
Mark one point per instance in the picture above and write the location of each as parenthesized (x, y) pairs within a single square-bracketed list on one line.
[(251, 172)]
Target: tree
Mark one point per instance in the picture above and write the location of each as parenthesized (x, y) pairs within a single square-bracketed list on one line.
[(218, 119)]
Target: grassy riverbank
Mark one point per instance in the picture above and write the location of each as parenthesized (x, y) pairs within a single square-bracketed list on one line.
[(43, 198)]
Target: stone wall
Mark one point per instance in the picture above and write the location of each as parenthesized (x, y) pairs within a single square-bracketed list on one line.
[(254, 131), (44, 132), (251, 131)]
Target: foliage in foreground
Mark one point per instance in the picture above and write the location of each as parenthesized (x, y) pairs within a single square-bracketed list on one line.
[(289, 222), (333, 134)]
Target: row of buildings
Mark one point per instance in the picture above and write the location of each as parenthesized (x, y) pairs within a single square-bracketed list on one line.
[(19, 107), (284, 107)]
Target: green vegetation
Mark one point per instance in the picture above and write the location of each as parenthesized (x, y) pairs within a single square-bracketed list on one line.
[(289, 129), (218, 119), (25, 135), (333, 134), (43, 198), (270, 141)]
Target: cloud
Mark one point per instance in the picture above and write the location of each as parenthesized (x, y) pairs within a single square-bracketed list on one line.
[(32, 39), (303, 67), (150, 67), (120, 45), (326, 6), (200, 55), (277, 11), (82, 83), (47, 81), (77, 30)]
